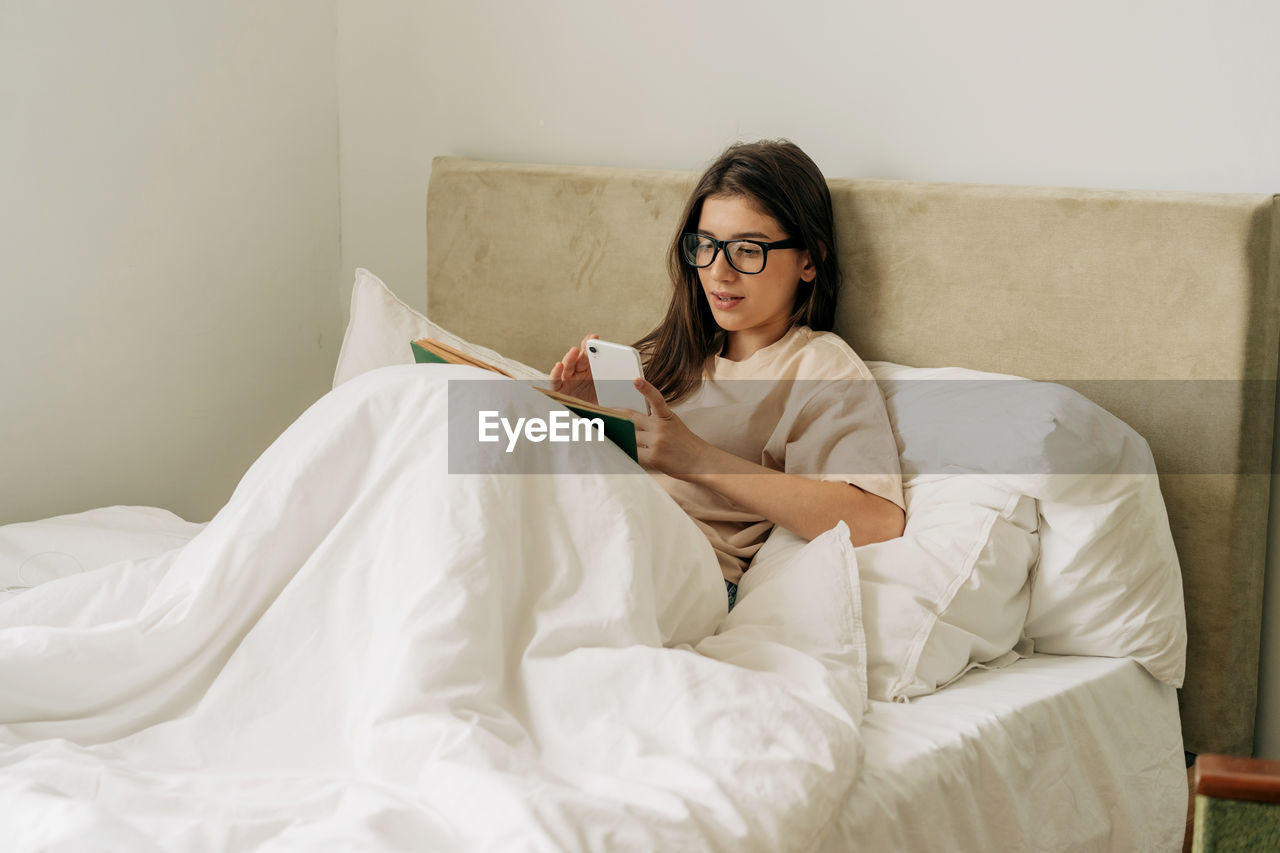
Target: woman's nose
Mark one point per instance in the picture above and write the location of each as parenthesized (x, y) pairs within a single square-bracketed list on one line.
[(721, 269)]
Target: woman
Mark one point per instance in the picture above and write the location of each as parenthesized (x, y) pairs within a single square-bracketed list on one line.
[(755, 276)]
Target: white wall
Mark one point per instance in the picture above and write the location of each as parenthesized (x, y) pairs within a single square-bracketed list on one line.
[(168, 245), (1154, 95)]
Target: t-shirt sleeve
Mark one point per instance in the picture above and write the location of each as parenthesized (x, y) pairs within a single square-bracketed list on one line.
[(840, 431)]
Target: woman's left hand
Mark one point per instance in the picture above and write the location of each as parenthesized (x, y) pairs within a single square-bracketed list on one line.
[(664, 442)]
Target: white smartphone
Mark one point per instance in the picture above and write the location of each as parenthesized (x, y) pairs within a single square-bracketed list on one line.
[(614, 367)]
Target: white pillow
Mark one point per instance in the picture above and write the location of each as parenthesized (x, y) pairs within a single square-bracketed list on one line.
[(950, 594), (382, 327), (956, 421), (1108, 581)]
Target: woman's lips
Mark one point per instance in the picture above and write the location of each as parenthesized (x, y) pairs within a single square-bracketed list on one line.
[(724, 301)]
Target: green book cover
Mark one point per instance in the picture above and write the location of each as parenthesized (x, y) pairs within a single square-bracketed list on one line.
[(620, 430), (422, 355)]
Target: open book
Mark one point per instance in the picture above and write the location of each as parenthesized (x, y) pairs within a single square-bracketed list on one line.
[(618, 427)]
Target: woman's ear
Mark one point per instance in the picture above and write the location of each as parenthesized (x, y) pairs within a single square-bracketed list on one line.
[(808, 269)]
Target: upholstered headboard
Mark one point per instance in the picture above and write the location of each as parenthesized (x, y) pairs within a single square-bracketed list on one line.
[(1067, 285)]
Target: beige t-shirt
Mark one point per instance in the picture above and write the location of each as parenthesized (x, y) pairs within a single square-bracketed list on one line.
[(805, 404)]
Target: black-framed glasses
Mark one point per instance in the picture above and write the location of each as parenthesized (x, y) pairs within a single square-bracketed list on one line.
[(746, 256)]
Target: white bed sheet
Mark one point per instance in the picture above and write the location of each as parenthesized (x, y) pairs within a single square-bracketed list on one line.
[(1048, 754), (33, 552)]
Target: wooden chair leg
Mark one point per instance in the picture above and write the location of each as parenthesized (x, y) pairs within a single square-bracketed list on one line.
[(1191, 809)]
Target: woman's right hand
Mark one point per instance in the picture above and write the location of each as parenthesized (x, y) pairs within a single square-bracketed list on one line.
[(572, 374)]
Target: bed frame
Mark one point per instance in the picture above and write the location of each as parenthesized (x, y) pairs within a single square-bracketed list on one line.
[(1074, 286)]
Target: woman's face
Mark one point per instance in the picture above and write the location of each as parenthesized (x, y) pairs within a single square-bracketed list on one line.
[(757, 304)]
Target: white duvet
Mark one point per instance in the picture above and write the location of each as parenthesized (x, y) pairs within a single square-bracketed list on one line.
[(363, 651)]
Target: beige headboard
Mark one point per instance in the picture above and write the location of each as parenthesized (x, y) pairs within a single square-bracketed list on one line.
[(1058, 284)]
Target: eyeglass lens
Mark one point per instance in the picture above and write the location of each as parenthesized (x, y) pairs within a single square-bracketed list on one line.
[(744, 255)]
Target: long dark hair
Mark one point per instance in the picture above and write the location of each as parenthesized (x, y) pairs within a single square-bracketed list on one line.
[(787, 185)]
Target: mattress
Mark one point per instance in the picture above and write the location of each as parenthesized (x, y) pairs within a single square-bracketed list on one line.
[(1050, 753)]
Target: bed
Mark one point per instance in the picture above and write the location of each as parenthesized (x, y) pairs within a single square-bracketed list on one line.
[(1123, 296)]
